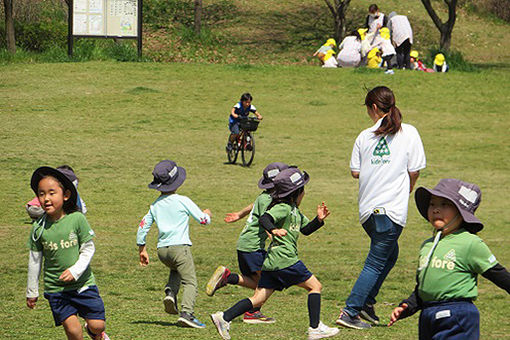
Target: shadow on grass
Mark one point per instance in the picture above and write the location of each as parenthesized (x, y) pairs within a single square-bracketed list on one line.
[(485, 66), (159, 323)]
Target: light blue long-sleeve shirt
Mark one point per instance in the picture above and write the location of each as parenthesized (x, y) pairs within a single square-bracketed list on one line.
[(171, 214)]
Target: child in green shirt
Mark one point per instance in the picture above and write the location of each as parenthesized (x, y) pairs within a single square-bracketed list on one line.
[(282, 267), (449, 264)]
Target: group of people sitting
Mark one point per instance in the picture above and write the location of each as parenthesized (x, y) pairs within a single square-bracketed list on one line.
[(384, 41)]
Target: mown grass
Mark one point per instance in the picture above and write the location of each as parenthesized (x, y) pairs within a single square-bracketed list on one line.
[(113, 121)]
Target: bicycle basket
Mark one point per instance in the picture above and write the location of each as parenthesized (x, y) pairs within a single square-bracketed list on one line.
[(249, 125)]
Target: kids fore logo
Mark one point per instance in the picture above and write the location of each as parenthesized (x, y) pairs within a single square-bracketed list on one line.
[(448, 261), (381, 149)]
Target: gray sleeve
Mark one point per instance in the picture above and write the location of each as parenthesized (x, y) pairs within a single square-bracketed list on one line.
[(34, 270), (86, 252)]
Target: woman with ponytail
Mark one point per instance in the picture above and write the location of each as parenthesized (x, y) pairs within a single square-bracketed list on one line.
[(387, 159)]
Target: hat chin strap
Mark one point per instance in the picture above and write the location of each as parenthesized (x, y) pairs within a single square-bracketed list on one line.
[(449, 224)]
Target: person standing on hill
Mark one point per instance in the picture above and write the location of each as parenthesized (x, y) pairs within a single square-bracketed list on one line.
[(387, 159), (375, 19), (402, 37)]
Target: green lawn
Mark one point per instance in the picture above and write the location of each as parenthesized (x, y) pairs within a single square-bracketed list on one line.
[(113, 121)]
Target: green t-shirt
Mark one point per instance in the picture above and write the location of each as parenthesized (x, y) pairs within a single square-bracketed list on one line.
[(453, 267), (282, 251), (253, 237), (60, 244)]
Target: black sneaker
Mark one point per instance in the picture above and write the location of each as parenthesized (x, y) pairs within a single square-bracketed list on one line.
[(170, 302), (368, 313), (351, 322), (189, 320)]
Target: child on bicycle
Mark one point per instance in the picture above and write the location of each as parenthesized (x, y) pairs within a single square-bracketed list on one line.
[(239, 111)]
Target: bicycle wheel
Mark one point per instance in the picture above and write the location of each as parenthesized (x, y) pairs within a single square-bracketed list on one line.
[(247, 148), (233, 152)]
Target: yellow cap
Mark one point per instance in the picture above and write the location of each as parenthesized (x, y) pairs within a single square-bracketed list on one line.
[(414, 54), (362, 32), (330, 42), (439, 59), (373, 52), (385, 33)]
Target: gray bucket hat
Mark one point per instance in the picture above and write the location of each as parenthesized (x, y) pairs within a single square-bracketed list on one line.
[(269, 173), (288, 181), (61, 176), (167, 176), (466, 197)]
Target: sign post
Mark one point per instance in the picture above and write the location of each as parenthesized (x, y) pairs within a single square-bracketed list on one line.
[(119, 19)]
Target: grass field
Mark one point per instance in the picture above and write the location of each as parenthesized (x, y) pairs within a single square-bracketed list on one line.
[(113, 121)]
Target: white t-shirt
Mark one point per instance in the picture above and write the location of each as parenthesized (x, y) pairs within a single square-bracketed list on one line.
[(373, 22), (350, 52), (384, 45), (383, 163), (400, 29)]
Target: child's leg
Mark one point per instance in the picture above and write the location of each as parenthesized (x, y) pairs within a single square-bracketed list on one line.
[(249, 281), (167, 256), (72, 327), (174, 281), (257, 300), (314, 287), (95, 328), (186, 268)]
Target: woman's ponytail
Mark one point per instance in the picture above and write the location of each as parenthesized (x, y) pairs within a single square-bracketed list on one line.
[(384, 99)]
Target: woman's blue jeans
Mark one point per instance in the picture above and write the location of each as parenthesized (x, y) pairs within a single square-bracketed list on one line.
[(383, 254)]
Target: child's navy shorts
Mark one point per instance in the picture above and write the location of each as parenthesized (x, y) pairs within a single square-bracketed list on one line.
[(284, 278), (87, 304), (250, 262), (457, 320), (234, 127)]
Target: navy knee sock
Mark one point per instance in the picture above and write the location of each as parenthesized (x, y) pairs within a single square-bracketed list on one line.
[(233, 279), (238, 309), (314, 309)]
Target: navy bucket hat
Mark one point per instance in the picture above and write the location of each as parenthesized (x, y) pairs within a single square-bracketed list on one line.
[(466, 197), (62, 176), (288, 181), (167, 176), (269, 173)]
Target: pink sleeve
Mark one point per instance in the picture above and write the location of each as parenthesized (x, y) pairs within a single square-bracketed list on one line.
[(35, 202)]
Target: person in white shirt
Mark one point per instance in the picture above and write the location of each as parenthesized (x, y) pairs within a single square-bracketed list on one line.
[(350, 51), (402, 37), (383, 42), (375, 19), (387, 159)]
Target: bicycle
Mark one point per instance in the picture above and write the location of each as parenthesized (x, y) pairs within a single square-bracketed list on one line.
[(245, 142)]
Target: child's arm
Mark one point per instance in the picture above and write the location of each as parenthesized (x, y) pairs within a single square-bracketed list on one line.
[(499, 276), (144, 256), (413, 176), (202, 217), (317, 222), (74, 272), (235, 216), (233, 113), (266, 221), (141, 234), (34, 270), (259, 116)]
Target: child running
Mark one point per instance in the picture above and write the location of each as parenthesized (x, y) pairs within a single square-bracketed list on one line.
[(282, 267), (450, 263), (239, 111), (250, 246), (63, 238), (171, 213)]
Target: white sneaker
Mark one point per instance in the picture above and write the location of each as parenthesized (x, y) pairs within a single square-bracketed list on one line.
[(390, 72), (222, 326), (322, 331)]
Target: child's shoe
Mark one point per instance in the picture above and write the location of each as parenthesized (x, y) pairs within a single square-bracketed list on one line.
[(322, 331), (257, 317), (189, 320), (217, 280), (222, 326), (170, 302), (390, 72), (368, 313), (351, 322), (104, 336)]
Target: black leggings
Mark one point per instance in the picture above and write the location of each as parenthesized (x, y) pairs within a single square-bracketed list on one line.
[(403, 51), (387, 60)]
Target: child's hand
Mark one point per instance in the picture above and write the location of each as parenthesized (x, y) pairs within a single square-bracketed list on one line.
[(144, 258), (322, 211), (395, 315), (66, 276), (31, 302), (207, 211), (232, 217), (279, 232)]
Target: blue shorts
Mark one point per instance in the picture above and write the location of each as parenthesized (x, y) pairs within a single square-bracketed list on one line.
[(286, 277), (87, 304), (251, 262), (457, 320), (234, 127)]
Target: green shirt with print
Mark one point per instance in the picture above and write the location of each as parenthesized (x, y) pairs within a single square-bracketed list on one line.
[(253, 237), (60, 243), (453, 267), (282, 251)]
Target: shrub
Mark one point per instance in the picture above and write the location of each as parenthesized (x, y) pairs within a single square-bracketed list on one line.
[(454, 59)]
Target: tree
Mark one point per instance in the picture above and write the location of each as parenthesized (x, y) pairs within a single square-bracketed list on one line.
[(445, 28), (9, 27), (338, 8), (198, 16)]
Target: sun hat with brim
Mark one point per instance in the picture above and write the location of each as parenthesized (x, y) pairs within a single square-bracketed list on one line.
[(288, 181), (269, 173), (466, 197), (62, 177), (167, 176)]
